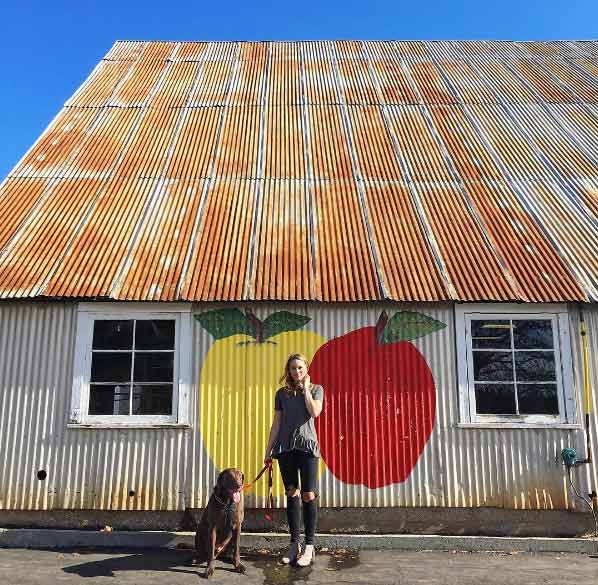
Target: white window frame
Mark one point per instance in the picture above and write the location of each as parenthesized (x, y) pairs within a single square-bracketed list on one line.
[(87, 313), (567, 417)]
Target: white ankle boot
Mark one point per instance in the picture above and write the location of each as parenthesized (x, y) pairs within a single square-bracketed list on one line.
[(308, 556), (294, 552)]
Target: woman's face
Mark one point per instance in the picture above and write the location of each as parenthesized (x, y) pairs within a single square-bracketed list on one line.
[(298, 370)]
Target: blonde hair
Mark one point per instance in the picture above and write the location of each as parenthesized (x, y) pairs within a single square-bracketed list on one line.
[(290, 384)]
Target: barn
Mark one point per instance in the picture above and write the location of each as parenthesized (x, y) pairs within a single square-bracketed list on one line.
[(418, 218)]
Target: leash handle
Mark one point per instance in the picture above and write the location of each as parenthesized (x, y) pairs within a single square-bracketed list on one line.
[(247, 486)]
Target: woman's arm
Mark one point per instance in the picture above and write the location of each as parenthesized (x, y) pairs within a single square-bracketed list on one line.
[(314, 407), (273, 433)]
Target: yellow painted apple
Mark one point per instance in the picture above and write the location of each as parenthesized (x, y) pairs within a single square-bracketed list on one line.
[(239, 378)]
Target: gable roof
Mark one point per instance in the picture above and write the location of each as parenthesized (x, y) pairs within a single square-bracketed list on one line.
[(334, 171)]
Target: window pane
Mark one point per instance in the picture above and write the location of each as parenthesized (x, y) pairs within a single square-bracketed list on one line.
[(152, 399), (490, 334), (108, 399), (154, 367), (112, 335), (154, 334), (495, 398), (533, 334), (537, 399), (493, 366), (535, 366), (111, 367)]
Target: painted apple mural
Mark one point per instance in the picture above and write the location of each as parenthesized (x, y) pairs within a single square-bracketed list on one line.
[(239, 377), (380, 400)]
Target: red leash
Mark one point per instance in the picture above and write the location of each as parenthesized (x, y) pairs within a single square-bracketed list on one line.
[(247, 486)]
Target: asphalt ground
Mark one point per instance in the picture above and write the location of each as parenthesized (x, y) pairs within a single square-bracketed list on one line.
[(173, 567)]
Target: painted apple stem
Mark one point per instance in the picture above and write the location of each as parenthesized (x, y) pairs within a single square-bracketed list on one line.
[(380, 325), (257, 324)]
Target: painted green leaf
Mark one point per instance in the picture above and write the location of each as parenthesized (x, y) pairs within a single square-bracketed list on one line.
[(283, 321), (221, 323), (408, 325)]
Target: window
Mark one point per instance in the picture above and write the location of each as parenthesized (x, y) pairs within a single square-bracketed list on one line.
[(132, 366), (514, 366)]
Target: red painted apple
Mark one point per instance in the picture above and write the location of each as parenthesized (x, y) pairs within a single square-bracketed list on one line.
[(380, 400)]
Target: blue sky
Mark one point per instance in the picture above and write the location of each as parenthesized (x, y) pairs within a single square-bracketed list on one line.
[(50, 47)]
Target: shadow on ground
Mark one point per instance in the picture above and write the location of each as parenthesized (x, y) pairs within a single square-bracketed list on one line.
[(179, 561)]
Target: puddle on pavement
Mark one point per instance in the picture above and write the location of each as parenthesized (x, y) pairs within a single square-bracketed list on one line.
[(275, 573)]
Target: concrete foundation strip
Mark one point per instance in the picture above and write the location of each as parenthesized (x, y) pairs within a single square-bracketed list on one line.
[(49, 538)]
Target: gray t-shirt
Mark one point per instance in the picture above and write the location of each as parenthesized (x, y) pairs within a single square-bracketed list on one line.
[(297, 429)]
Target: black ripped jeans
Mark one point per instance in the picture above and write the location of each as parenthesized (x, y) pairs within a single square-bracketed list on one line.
[(293, 464)]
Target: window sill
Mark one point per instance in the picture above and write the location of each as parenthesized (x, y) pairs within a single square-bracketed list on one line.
[(520, 425), (127, 425)]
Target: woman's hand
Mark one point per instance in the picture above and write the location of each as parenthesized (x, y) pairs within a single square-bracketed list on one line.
[(306, 382)]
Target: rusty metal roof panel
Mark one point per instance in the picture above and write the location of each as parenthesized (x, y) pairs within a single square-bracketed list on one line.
[(328, 145), (468, 151), (284, 82), (538, 271), (93, 259), (473, 266), (238, 150), (430, 84), (395, 86), (315, 50), (547, 86), (555, 143), (589, 66), (503, 82), (357, 84), (576, 79), (588, 193), (374, 151), (407, 264), (574, 234), (283, 266), (60, 141), (44, 237), (418, 144), (348, 49), (247, 85), (192, 51), (18, 198), (154, 268), (345, 267), (412, 50), (102, 145), (125, 51), (466, 83), (229, 171), (135, 89), (284, 149), (176, 85), (214, 85), (97, 90), (509, 141), (194, 148), (321, 85), (218, 261), (148, 150)]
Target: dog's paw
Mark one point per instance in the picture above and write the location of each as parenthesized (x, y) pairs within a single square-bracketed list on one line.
[(240, 568), (209, 572)]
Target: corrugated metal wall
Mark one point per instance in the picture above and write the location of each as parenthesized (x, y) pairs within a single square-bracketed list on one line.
[(170, 469)]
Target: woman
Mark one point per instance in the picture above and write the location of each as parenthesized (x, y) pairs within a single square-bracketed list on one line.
[(294, 442)]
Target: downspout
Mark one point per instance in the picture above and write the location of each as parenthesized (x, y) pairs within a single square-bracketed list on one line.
[(587, 397)]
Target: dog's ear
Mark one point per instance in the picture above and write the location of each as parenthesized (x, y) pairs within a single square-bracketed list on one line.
[(220, 482)]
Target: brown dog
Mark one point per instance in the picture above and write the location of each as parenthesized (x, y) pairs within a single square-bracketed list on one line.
[(221, 521)]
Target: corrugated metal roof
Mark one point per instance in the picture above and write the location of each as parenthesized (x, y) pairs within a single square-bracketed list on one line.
[(327, 170)]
